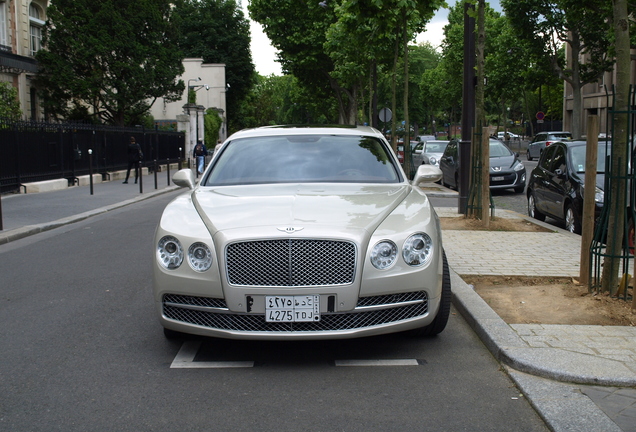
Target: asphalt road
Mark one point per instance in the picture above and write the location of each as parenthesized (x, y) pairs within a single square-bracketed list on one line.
[(82, 350)]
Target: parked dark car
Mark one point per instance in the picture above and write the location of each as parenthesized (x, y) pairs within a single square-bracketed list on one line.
[(555, 187), (506, 170)]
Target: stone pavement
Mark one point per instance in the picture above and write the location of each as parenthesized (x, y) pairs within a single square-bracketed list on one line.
[(578, 378)]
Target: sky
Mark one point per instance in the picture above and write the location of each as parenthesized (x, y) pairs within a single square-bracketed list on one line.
[(264, 55)]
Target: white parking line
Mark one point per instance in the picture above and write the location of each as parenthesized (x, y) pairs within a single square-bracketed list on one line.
[(185, 359), (396, 362)]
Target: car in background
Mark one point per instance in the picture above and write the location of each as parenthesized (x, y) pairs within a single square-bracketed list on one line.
[(424, 138), (555, 186), (429, 152), (543, 140), (323, 238), (506, 170), (502, 135)]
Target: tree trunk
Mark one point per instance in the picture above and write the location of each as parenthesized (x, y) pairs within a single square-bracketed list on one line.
[(407, 127), (615, 229)]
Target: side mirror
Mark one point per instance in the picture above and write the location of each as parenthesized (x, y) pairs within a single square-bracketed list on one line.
[(426, 174), (184, 178)]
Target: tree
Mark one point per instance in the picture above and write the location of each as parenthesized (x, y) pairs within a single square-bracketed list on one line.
[(545, 25), (9, 103), (114, 56), (218, 32)]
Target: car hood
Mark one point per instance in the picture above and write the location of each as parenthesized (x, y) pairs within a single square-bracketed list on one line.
[(600, 179), (502, 163), (298, 206)]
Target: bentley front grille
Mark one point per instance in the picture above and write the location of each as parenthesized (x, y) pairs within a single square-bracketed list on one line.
[(291, 262), (385, 310)]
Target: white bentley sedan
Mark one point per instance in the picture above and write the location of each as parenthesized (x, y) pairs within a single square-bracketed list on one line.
[(301, 233)]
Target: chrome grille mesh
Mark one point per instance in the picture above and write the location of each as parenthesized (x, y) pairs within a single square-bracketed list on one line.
[(291, 262), (328, 322)]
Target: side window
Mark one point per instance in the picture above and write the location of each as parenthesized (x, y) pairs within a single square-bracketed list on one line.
[(3, 27), (546, 158), (559, 161), (36, 23)]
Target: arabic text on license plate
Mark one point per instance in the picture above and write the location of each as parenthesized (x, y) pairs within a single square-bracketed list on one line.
[(298, 308), (497, 178)]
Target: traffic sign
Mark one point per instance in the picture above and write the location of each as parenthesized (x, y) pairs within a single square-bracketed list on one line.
[(385, 115), (540, 115)]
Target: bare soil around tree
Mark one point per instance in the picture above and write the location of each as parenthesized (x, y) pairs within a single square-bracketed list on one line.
[(542, 300)]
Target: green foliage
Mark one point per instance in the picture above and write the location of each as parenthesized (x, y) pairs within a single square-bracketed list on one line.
[(9, 103), (114, 56), (212, 124), (218, 32)]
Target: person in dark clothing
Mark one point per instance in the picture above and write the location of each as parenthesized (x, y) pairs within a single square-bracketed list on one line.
[(200, 152), (134, 157)]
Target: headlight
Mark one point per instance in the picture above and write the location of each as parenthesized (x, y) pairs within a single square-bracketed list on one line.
[(384, 254), (599, 196), (418, 249), (169, 252), (518, 166), (432, 160), (199, 257)]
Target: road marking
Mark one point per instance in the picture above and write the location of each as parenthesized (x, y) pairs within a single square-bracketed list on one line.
[(396, 362), (185, 359)]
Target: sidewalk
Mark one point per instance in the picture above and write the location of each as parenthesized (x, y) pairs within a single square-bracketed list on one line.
[(559, 368)]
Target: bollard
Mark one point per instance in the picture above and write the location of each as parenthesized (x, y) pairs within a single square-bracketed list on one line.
[(141, 177), (1, 228), (168, 169), (90, 168), (155, 169)]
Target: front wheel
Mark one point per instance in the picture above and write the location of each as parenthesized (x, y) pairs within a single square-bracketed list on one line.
[(528, 155), (572, 222), (532, 209), (440, 320)]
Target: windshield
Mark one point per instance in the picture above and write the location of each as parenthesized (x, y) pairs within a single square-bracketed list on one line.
[(435, 147), (577, 157), (303, 158), (497, 149)]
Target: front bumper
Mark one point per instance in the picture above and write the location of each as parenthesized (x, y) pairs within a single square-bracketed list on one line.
[(372, 316)]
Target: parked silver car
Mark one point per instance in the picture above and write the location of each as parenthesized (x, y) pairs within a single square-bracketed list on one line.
[(324, 237), (543, 140), (429, 152)]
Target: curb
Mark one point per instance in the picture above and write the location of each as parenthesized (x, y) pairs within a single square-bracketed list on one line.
[(551, 363), (29, 230)]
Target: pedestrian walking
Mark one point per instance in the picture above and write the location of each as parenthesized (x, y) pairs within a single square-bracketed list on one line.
[(135, 155), (200, 152)]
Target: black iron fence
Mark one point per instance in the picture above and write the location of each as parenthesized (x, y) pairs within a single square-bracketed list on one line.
[(35, 151)]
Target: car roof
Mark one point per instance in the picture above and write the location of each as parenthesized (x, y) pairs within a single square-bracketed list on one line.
[(307, 130)]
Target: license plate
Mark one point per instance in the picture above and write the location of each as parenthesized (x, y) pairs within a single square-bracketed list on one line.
[(298, 308), (497, 178)]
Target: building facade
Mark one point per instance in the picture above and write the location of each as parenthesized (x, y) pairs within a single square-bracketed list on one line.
[(596, 97), (208, 82), (21, 26)]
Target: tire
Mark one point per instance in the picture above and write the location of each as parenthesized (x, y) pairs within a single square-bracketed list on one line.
[(440, 320), (528, 155), (532, 208), (519, 189), (572, 220)]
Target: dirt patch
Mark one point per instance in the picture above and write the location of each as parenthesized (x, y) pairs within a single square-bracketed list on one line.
[(541, 300), (496, 224), (531, 300)]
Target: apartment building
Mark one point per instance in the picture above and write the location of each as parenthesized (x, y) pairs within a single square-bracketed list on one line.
[(21, 27)]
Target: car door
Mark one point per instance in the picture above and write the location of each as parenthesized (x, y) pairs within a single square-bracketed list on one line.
[(448, 164), (535, 147), (557, 181), (541, 181), (417, 154)]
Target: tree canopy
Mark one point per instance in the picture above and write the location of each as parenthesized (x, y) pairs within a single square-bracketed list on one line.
[(114, 56), (9, 104), (218, 32), (544, 26)]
